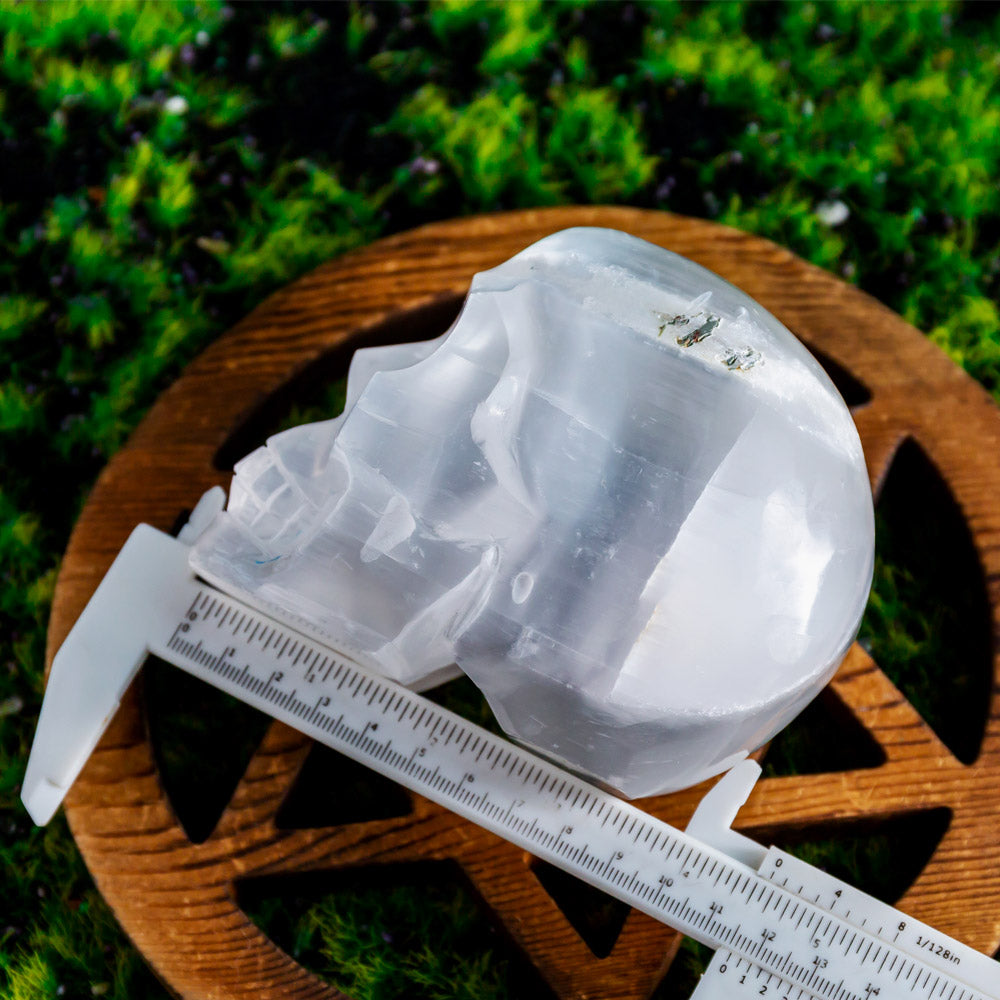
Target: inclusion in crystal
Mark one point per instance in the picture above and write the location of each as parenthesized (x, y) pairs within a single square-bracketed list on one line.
[(617, 493)]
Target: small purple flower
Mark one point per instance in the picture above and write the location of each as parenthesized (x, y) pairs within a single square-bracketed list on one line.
[(664, 189), (425, 165)]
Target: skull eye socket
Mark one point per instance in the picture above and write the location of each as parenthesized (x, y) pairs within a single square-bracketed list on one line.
[(317, 390)]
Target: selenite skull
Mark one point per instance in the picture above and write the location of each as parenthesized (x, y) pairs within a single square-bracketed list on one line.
[(617, 493)]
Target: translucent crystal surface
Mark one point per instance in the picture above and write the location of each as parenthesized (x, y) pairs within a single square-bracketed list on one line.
[(619, 494)]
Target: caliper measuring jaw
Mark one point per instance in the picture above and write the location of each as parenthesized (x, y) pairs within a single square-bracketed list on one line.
[(103, 653), (98, 661)]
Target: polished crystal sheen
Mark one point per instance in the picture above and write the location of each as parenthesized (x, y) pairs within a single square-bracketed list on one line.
[(618, 493)]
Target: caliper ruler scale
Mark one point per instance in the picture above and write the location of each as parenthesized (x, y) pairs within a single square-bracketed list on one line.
[(780, 927)]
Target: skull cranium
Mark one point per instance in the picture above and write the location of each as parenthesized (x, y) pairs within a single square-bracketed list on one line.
[(618, 493)]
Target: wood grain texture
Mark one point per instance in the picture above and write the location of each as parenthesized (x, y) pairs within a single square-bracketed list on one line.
[(176, 899)]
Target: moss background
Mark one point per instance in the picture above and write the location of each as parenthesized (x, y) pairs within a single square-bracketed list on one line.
[(165, 166)]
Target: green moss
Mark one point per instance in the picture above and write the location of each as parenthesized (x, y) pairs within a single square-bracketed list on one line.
[(596, 145), (972, 337), (17, 314), (294, 36), (164, 166), (489, 145), (421, 939), (519, 38), (301, 217)]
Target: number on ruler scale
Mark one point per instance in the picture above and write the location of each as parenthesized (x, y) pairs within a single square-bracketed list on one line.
[(729, 976)]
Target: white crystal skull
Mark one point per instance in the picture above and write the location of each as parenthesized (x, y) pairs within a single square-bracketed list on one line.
[(619, 494)]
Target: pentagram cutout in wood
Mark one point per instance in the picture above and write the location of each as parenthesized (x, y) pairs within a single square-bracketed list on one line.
[(177, 899)]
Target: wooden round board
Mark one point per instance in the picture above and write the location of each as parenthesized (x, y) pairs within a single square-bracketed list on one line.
[(177, 900)]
